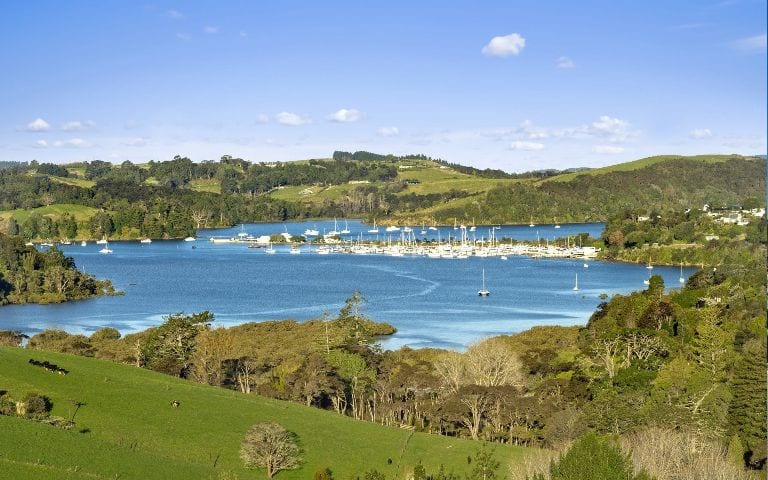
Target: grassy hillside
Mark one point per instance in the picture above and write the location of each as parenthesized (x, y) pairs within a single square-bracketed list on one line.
[(641, 163), (127, 429), (80, 212), (642, 186)]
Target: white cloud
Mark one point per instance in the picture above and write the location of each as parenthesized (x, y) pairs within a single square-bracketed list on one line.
[(505, 46), (754, 44), (565, 62), (175, 14), (36, 125), (607, 149), (262, 118), (609, 128), (210, 29), (529, 146), (184, 36), (41, 144), (346, 115), (699, 133), (77, 125), (72, 143), (136, 142), (292, 119), (388, 131)]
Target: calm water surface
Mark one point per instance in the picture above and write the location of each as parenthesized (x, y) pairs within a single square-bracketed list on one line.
[(432, 302)]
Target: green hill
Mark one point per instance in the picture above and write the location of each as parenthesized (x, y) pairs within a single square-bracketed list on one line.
[(641, 163), (127, 429)]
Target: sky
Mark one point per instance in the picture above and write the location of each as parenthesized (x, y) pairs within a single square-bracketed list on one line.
[(515, 85)]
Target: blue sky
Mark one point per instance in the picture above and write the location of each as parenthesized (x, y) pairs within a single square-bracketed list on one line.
[(517, 85)]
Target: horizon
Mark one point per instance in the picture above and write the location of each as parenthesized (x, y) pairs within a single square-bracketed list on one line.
[(500, 86)]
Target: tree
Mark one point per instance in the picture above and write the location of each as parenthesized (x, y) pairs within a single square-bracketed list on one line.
[(747, 410), (491, 364), (485, 465), (270, 446), (352, 321), (595, 458), (169, 347)]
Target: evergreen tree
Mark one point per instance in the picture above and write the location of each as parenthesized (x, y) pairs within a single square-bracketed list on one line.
[(748, 407), (593, 458)]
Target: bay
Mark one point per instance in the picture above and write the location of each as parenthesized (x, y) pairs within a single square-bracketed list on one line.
[(432, 302)]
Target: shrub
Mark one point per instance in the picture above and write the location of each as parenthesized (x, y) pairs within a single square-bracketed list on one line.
[(592, 458), (37, 406)]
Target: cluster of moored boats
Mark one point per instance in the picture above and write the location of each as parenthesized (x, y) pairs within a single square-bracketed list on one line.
[(439, 250)]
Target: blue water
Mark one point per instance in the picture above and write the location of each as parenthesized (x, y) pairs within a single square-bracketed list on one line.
[(432, 302)]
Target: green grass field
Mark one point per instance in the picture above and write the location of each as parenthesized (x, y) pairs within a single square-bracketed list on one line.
[(127, 429), (440, 180), (638, 164), (80, 212), (75, 181), (205, 185)]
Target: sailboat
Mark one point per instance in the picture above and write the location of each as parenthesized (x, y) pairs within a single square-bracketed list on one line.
[(375, 229), (346, 230), (83, 243), (648, 280), (557, 225), (269, 249), (576, 286), (681, 279), (531, 224), (473, 227), (335, 230), (311, 232), (106, 249), (423, 229), (483, 292), (145, 240)]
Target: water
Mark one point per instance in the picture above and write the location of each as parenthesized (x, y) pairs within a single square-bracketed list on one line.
[(432, 302)]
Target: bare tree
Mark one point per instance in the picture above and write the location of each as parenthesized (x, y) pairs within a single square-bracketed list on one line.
[(271, 446), (668, 453), (200, 217), (451, 370), (490, 363)]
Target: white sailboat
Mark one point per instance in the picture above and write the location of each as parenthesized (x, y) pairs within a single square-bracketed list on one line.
[(83, 243), (375, 229), (145, 240), (103, 241), (557, 225), (269, 249), (189, 239), (335, 230), (681, 279), (311, 232), (483, 292), (392, 228), (531, 224), (106, 249), (346, 230), (576, 286)]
